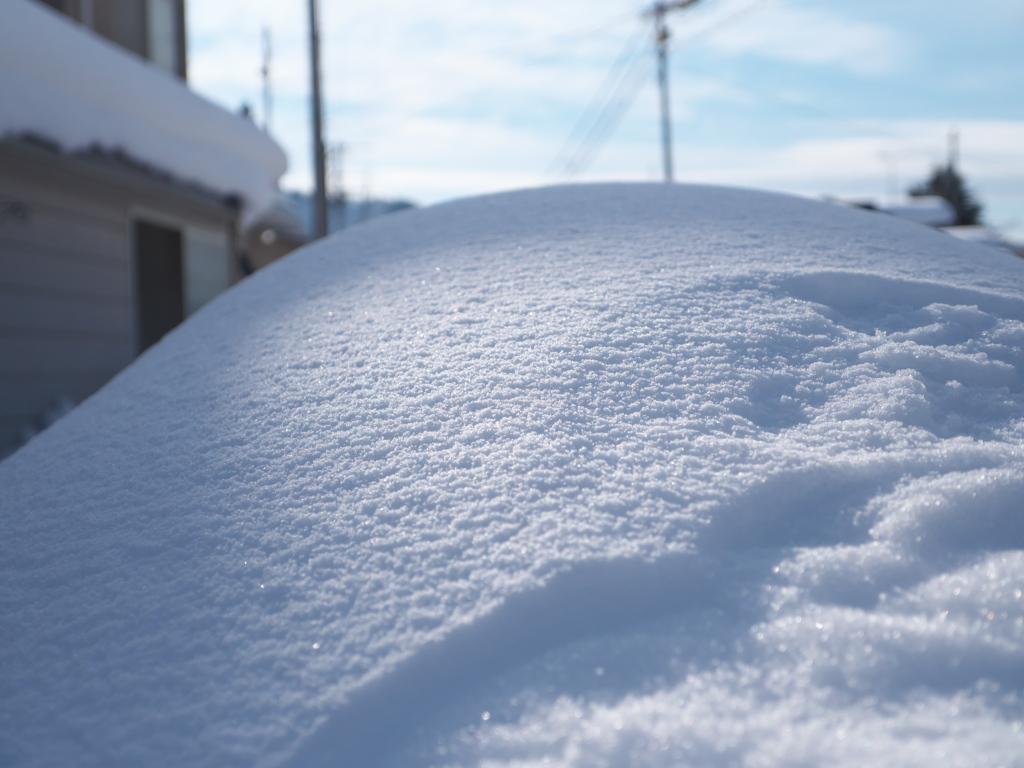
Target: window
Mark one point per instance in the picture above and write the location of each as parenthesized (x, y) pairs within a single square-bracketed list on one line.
[(154, 29), (162, 34), (123, 22)]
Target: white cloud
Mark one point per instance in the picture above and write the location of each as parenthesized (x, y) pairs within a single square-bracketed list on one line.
[(458, 97), (992, 161), (386, 70), (814, 36), (990, 150)]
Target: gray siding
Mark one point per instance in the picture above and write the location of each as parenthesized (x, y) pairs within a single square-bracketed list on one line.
[(67, 293), (65, 302)]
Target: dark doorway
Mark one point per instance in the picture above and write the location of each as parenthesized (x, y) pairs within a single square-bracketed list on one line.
[(159, 298)]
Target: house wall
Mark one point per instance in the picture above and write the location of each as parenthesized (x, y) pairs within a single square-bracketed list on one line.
[(68, 314), (208, 268), (153, 29)]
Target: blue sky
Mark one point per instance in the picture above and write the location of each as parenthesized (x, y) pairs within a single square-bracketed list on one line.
[(455, 97)]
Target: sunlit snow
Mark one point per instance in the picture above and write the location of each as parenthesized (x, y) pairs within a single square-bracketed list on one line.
[(622, 475)]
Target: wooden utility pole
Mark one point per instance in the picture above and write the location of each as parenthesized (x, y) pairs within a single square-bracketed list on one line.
[(265, 73), (319, 159), (658, 12)]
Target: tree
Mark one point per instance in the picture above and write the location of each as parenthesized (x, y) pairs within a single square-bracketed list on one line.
[(945, 181)]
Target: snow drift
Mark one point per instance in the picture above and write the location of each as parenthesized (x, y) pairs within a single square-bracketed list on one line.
[(61, 82), (624, 475)]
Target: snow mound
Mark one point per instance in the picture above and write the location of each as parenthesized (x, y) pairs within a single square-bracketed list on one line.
[(61, 82), (621, 475)]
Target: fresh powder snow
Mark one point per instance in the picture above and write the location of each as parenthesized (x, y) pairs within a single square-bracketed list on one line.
[(612, 475), (63, 83)]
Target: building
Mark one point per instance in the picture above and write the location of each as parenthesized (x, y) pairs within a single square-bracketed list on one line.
[(153, 29), (125, 198), (934, 211)]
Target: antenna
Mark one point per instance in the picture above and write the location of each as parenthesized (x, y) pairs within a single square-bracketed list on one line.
[(657, 12), (892, 167), (336, 182), (265, 72), (954, 148)]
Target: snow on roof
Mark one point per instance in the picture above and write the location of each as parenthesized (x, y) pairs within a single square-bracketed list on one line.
[(932, 210), (597, 475), (979, 234), (62, 82)]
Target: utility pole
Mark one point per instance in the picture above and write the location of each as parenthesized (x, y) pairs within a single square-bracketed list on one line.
[(319, 159), (892, 175), (954, 149), (657, 12), (265, 72), (954, 178)]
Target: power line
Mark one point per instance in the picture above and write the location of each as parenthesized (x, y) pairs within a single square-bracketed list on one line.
[(716, 26), (608, 94), (771, 95), (604, 113), (616, 108), (555, 45)]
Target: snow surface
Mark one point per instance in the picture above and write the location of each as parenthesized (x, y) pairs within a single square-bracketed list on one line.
[(620, 475), (62, 82)]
